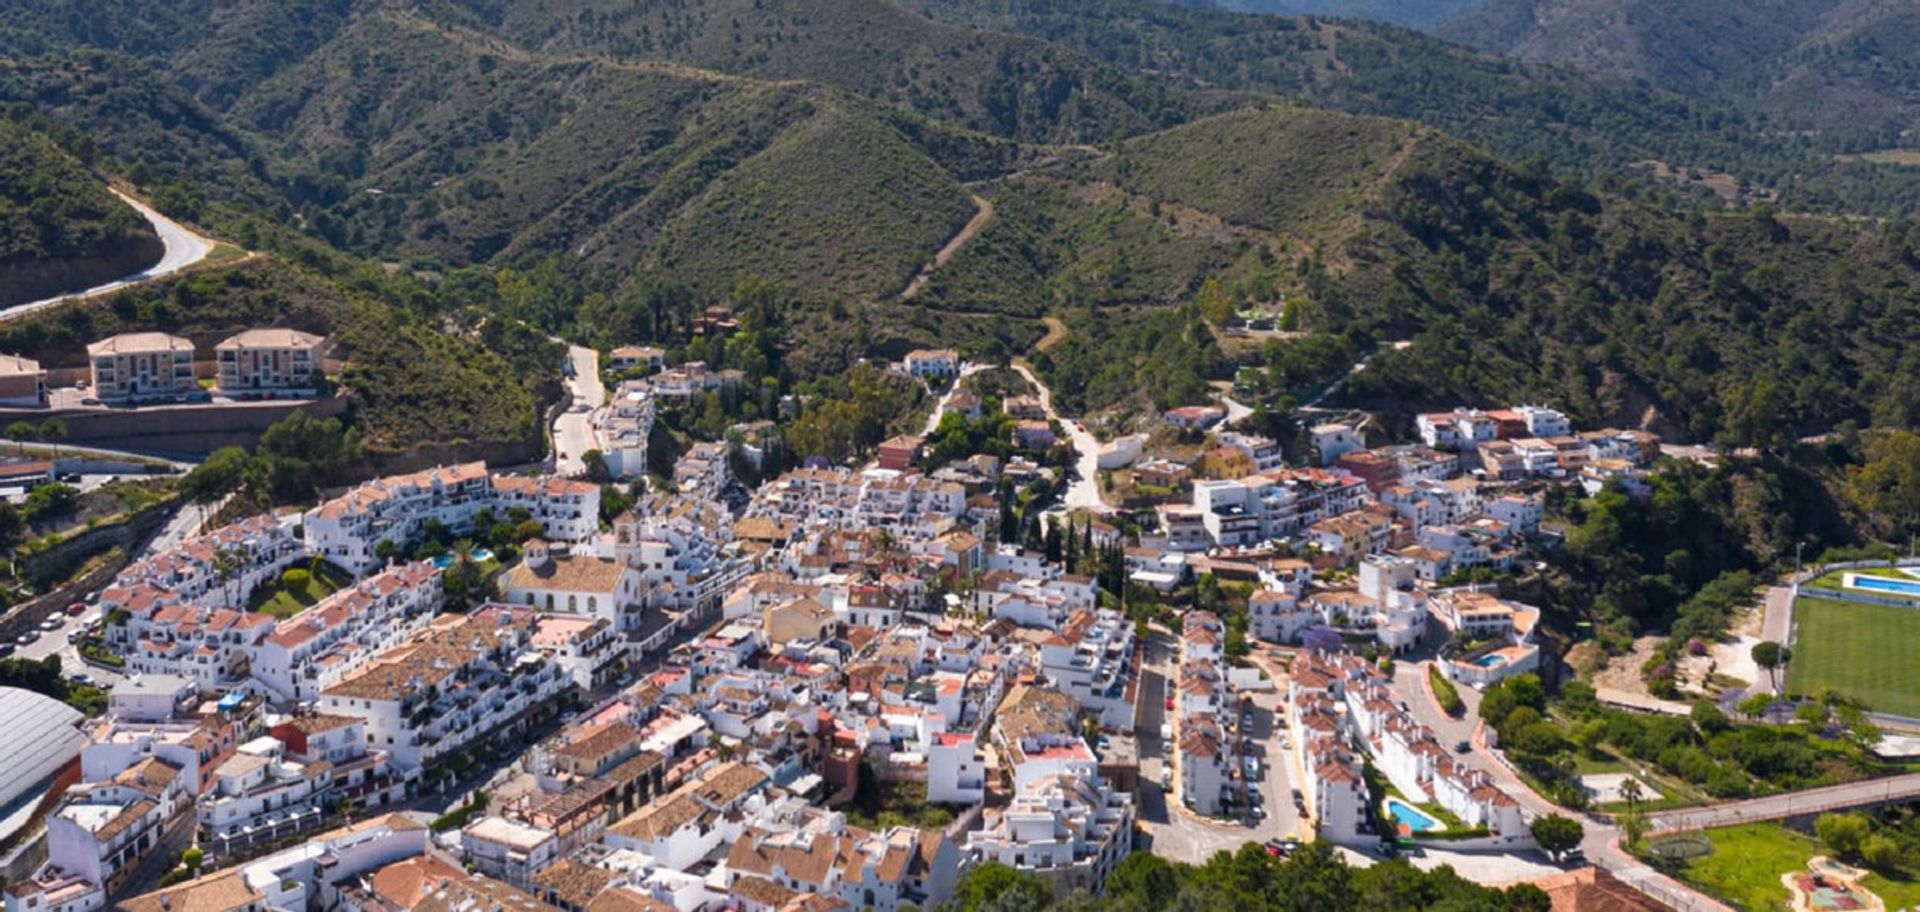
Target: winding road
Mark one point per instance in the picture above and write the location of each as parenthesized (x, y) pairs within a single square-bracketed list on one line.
[(1083, 492), (573, 429), (183, 248)]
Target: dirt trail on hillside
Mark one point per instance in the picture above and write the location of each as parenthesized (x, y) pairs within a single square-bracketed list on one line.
[(953, 246), (1056, 334)]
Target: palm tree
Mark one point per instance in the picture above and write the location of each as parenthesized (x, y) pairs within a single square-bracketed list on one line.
[(1630, 791)]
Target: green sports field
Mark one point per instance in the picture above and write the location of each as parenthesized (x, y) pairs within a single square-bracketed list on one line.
[(1869, 652)]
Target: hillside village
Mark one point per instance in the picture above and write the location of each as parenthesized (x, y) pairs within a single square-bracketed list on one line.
[(842, 690)]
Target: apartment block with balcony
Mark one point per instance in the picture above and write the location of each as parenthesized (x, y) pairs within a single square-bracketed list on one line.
[(351, 528), (268, 360), (1091, 659), (142, 367), (462, 681)]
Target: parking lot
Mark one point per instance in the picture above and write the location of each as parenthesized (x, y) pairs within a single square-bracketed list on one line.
[(1180, 835)]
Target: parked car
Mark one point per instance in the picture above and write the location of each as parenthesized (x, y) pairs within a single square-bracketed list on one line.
[(27, 637), (6, 649), (1166, 731), (1166, 777), (82, 679), (1461, 747), (74, 635), (1252, 765), (53, 623), (76, 609)]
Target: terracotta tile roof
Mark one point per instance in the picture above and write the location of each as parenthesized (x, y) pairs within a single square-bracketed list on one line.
[(568, 574), (221, 892), (573, 883)]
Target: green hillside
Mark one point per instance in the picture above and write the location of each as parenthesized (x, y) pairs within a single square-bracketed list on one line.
[(52, 208), (1843, 67), (1573, 120), (411, 382), (994, 83)]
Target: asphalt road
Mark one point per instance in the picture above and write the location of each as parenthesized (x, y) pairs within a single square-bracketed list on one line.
[(1178, 834), (183, 248), (1083, 492), (573, 430)]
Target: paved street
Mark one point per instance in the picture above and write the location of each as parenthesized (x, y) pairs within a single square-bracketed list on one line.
[(1083, 492), (1180, 835), (572, 432), (184, 521), (181, 248)]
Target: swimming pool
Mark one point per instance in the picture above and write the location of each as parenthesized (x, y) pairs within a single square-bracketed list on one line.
[(1883, 584), (1411, 817), (444, 561), (1490, 660)]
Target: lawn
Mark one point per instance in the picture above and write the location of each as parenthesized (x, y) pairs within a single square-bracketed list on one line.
[(1864, 651), (1746, 863), (878, 805), (283, 602)]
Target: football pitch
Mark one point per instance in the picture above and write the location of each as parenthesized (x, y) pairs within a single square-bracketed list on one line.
[(1868, 652)]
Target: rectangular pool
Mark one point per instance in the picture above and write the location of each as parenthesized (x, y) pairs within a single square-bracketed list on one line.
[(1884, 584), (1411, 817)]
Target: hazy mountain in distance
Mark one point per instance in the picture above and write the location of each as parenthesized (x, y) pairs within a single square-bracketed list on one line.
[(1838, 65), (1420, 14)]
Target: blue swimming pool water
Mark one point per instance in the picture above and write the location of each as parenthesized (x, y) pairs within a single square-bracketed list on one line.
[(1411, 816), (1489, 660), (1885, 584), (444, 561)]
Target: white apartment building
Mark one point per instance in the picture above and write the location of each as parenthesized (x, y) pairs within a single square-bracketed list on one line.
[(1271, 505), (956, 769), (843, 499), (313, 650), (219, 569), (1334, 440), (622, 427), (1544, 422), (510, 850), (349, 530), (931, 362), (1091, 660), (1460, 429), (1277, 616), (1065, 824), (1263, 451), (259, 795), (462, 680), (102, 831)]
